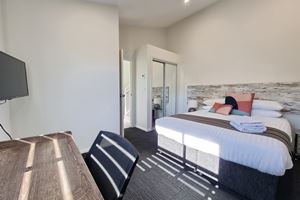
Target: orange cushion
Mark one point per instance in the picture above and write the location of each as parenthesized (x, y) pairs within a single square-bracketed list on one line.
[(219, 108), (244, 101)]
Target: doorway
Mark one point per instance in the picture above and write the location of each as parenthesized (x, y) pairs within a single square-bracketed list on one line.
[(127, 94)]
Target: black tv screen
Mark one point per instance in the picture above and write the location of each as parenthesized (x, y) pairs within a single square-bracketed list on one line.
[(13, 79)]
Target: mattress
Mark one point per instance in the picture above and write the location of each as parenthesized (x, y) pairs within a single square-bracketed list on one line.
[(265, 154)]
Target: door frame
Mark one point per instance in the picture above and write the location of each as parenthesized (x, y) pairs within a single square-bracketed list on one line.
[(121, 56)]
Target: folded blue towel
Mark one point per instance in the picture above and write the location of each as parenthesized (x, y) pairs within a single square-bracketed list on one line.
[(245, 120), (249, 128)]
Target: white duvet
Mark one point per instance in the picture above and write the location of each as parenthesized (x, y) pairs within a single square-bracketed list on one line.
[(265, 154)]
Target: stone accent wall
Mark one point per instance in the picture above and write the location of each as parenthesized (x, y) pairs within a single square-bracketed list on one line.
[(288, 94)]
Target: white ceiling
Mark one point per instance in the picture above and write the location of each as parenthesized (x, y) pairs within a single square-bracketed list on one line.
[(156, 13)]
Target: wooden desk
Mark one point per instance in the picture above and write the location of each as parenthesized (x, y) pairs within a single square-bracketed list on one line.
[(45, 167)]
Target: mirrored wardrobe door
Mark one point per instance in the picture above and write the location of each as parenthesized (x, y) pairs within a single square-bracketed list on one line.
[(170, 77), (157, 90)]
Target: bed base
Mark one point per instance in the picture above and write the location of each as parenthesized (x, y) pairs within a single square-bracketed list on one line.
[(247, 182)]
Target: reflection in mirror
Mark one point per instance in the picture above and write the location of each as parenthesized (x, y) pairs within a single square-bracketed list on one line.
[(164, 77), (170, 89), (157, 90)]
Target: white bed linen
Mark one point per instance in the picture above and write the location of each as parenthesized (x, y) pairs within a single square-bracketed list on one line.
[(265, 154)]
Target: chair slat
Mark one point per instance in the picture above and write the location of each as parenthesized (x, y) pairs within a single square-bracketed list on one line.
[(132, 158), (111, 161)]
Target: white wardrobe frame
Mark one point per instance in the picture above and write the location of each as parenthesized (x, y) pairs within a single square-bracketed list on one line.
[(144, 60)]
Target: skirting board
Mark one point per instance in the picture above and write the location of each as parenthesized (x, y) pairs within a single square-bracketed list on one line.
[(144, 129), (85, 150)]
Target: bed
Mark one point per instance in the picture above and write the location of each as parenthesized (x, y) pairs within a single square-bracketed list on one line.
[(249, 164)]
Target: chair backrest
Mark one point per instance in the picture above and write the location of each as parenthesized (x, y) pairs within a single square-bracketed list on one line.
[(111, 161)]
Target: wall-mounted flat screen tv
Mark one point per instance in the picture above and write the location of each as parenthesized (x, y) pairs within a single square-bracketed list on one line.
[(13, 79)]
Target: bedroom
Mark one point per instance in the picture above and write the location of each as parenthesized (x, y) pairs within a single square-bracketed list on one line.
[(71, 51)]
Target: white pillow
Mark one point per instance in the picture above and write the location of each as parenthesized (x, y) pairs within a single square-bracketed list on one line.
[(211, 102), (267, 105), (206, 107), (266, 113)]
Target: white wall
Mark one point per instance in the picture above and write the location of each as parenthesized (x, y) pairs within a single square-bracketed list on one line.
[(134, 37), (1, 26), (4, 108), (141, 97), (71, 52), (238, 41)]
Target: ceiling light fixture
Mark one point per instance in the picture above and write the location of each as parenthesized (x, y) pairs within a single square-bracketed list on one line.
[(186, 1)]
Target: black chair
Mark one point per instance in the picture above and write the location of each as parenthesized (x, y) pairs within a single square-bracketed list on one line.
[(111, 160)]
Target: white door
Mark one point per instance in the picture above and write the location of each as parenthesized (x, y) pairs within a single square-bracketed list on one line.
[(126, 94)]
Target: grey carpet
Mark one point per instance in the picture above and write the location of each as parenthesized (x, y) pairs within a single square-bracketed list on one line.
[(158, 177)]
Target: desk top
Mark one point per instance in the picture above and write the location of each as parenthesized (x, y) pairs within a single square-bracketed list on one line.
[(45, 167)]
